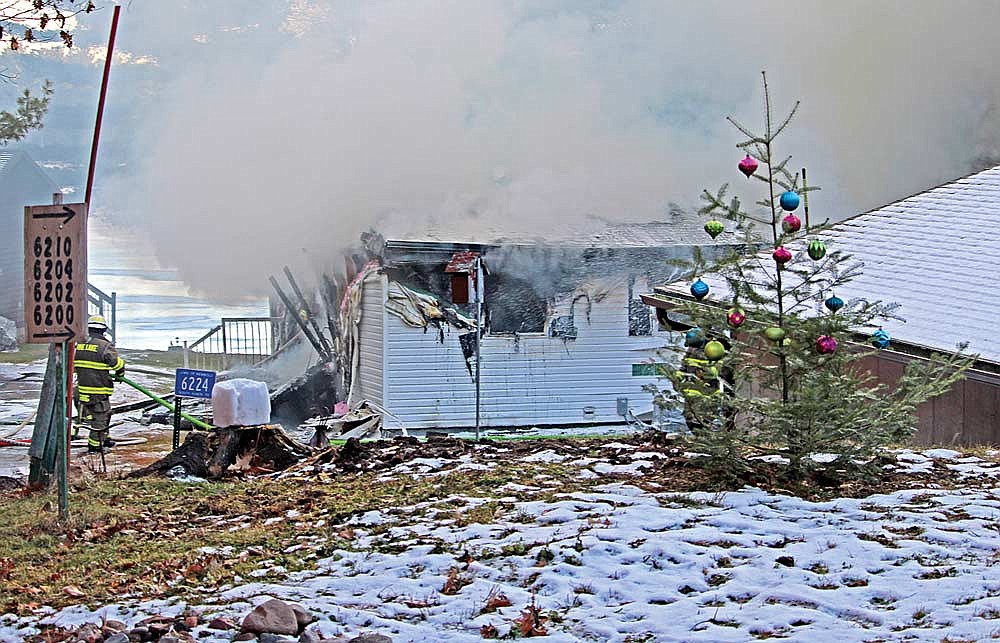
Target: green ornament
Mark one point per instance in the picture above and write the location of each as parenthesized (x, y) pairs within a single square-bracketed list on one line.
[(714, 228), (714, 350), (775, 334), (817, 249)]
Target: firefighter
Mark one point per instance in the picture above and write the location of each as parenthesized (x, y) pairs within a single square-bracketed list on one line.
[(97, 367)]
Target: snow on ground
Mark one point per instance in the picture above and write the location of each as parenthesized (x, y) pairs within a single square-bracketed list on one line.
[(619, 563)]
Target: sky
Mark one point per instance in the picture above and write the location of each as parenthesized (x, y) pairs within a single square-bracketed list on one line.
[(257, 136)]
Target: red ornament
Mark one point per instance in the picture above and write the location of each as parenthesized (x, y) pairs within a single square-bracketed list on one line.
[(825, 344), (736, 317), (791, 223), (781, 255), (748, 165)]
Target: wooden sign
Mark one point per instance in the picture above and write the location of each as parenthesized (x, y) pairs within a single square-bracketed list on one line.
[(55, 272)]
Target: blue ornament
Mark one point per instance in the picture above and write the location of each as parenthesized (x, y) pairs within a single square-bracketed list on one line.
[(789, 201), (699, 289), (834, 303), (880, 339), (695, 338)]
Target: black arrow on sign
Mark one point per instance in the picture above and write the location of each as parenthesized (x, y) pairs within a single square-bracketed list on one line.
[(67, 334), (67, 212)]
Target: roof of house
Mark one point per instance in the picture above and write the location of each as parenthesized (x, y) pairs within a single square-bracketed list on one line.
[(676, 228), (936, 254)]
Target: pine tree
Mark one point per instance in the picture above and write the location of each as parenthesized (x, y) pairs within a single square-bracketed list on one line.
[(771, 366)]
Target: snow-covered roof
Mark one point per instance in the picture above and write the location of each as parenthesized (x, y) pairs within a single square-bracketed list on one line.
[(936, 254)]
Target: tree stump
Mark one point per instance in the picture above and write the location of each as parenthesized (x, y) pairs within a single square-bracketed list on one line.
[(210, 454)]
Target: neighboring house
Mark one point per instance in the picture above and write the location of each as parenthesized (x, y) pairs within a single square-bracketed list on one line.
[(936, 254), (567, 340), (22, 182)]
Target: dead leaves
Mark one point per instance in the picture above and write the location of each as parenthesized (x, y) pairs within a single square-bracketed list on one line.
[(455, 582), (531, 622), (73, 591)]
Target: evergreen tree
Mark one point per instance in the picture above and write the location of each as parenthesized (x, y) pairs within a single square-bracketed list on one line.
[(771, 366)]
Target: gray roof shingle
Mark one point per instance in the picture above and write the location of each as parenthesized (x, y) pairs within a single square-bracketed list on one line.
[(937, 254)]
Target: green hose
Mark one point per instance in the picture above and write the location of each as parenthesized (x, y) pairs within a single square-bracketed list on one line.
[(159, 400)]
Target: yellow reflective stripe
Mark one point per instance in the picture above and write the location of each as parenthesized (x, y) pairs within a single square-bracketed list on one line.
[(99, 366), (96, 390), (119, 364), (84, 398)]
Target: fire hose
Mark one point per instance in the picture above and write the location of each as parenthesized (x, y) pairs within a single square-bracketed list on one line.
[(159, 400)]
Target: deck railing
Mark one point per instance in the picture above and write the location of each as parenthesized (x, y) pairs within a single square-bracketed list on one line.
[(234, 342)]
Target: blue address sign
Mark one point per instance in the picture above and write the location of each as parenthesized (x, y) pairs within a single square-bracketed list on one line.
[(192, 383)]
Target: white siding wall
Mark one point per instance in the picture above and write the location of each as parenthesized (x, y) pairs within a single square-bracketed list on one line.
[(533, 380), (369, 382)]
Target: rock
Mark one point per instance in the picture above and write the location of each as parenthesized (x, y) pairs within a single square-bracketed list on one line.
[(245, 636), (89, 633), (371, 638), (114, 626), (221, 623), (302, 615), (139, 635), (309, 637), (170, 638), (117, 637), (8, 335), (267, 637), (273, 617)]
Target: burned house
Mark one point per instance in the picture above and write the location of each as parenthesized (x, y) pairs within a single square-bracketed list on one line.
[(565, 338)]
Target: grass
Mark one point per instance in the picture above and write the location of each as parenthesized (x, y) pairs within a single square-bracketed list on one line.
[(25, 354), (145, 536)]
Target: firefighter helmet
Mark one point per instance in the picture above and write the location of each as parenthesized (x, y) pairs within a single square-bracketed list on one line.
[(98, 322)]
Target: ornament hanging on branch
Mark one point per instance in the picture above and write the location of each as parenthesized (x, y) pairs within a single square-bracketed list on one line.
[(781, 255), (699, 289), (736, 317), (714, 228), (694, 338), (748, 165), (834, 303), (775, 333), (789, 201), (791, 223), (817, 250), (880, 339), (715, 350), (825, 345)]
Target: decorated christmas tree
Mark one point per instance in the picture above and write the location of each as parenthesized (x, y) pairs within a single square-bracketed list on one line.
[(770, 364)]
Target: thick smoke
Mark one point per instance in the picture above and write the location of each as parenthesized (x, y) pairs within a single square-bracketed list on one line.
[(543, 117)]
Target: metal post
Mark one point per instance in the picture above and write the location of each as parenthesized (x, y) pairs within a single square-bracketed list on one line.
[(177, 422), (186, 354), (114, 317), (805, 197), (479, 323), (62, 431)]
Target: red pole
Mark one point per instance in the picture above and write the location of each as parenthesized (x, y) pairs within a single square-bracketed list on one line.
[(71, 346)]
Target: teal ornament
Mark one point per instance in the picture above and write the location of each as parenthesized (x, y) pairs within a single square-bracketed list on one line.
[(694, 338), (789, 201), (699, 289), (834, 303), (880, 339)]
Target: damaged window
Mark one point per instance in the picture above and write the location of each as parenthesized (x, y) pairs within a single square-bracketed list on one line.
[(514, 306), (639, 320)]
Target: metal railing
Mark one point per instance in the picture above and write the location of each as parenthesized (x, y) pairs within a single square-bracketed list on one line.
[(236, 341), (101, 303)]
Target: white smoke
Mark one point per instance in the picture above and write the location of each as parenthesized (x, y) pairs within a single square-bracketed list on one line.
[(539, 116)]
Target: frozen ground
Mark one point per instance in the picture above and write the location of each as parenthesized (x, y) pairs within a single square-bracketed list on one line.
[(624, 561)]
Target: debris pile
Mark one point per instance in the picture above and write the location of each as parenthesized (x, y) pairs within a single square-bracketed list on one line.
[(212, 454)]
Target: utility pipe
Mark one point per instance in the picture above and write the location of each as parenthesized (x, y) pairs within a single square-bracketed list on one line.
[(159, 400)]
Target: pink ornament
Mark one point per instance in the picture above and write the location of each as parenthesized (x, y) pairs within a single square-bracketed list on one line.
[(736, 317), (825, 344), (781, 255), (748, 165), (791, 223)]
